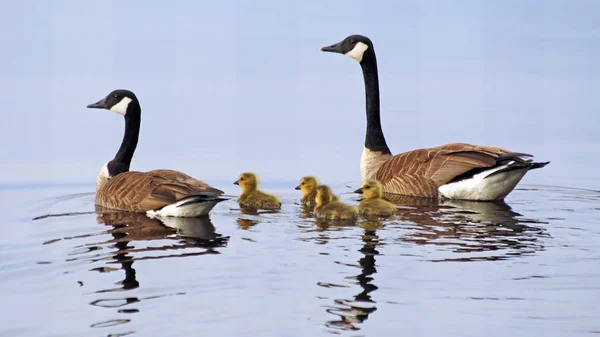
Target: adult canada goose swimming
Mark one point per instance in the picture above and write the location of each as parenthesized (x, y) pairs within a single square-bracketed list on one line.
[(158, 192), (453, 171)]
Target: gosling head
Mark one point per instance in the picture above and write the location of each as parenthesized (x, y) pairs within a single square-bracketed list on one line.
[(324, 195), (248, 181), (308, 185), (120, 101), (357, 47), (371, 189)]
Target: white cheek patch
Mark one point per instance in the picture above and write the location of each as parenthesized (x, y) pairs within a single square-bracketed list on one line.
[(121, 107), (358, 51)]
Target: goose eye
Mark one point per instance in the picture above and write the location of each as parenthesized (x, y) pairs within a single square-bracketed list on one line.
[(302, 184)]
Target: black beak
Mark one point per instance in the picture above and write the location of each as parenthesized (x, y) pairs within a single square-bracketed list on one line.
[(336, 48), (297, 187), (359, 191), (237, 182), (101, 104)]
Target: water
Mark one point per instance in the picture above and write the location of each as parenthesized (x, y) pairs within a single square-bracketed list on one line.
[(528, 267)]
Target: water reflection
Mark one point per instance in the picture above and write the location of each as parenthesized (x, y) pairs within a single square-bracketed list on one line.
[(251, 218), (457, 230), (360, 306), (132, 237), (246, 223), (477, 230), (306, 211)]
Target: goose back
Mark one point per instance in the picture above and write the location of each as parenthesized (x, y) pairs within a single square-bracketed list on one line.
[(145, 191), (421, 172)]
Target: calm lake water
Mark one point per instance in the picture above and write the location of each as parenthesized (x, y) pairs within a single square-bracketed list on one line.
[(528, 267)]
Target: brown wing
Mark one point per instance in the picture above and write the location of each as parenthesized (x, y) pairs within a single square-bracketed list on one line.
[(141, 191), (183, 178), (420, 172)]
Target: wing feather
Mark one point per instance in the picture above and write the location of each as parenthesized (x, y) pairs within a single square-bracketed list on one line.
[(143, 191), (421, 172)]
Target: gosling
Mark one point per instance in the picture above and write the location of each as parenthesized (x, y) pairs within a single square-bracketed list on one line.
[(308, 186), (373, 203), (329, 208), (252, 198)]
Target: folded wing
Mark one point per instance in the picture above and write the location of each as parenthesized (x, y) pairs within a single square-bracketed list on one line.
[(145, 191), (421, 172)]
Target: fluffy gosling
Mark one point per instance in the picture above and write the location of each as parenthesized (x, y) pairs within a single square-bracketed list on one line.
[(251, 197), (308, 186), (329, 208), (373, 203)]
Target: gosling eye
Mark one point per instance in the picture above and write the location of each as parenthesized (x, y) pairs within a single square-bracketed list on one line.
[(302, 184), (367, 187), (241, 179)]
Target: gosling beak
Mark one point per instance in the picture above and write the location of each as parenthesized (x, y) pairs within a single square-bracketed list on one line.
[(335, 48), (237, 182), (359, 191), (297, 187), (101, 104)]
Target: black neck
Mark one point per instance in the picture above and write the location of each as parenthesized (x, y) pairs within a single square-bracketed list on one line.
[(123, 157), (374, 139)]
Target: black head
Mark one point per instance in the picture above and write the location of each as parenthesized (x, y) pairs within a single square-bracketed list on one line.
[(354, 46), (119, 101)]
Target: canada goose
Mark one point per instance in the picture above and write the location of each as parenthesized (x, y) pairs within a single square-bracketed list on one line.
[(251, 197), (328, 208), (453, 171), (308, 186), (158, 192), (373, 203)]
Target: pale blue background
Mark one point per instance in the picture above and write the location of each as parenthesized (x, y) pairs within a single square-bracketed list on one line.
[(231, 86)]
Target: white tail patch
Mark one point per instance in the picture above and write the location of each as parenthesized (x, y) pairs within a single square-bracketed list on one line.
[(358, 51), (121, 107), (190, 210), (481, 188)]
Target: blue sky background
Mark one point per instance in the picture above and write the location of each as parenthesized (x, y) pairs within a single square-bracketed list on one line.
[(230, 86)]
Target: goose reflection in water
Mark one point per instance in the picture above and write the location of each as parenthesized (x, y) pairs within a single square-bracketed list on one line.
[(358, 309), (477, 230), (131, 228)]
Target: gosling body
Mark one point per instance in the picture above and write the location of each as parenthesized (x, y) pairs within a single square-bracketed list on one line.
[(373, 203), (251, 197), (308, 186), (327, 207)]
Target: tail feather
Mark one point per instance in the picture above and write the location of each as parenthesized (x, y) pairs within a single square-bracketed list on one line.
[(199, 198), (538, 165), (519, 165)]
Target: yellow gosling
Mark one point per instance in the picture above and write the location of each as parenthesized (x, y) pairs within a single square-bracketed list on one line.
[(373, 203), (308, 186), (251, 197), (329, 208)]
